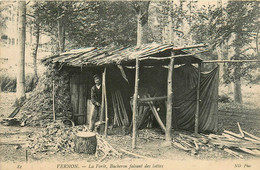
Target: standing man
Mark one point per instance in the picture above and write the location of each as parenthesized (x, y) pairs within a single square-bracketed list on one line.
[(96, 99)]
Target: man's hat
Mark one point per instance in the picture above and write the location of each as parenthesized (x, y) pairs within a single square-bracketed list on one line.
[(96, 76)]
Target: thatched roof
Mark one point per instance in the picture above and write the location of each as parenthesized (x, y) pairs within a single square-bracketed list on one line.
[(102, 56)]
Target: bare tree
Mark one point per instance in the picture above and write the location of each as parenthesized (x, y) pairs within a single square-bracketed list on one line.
[(20, 92)]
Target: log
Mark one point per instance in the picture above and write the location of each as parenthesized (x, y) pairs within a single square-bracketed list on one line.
[(85, 142)]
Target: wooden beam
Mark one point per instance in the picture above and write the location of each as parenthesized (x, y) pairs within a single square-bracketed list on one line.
[(150, 99), (135, 103), (156, 115), (198, 101), (189, 47), (230, 61), (169, 102), (175, 56)]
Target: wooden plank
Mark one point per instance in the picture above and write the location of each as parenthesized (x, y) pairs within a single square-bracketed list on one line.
[(240, 130), (233, 153), (82, 100), (235, 144), (197, 101), (252, 136), (250, 151), (233, 134), (74, 95), (238, 136), (134, 154)]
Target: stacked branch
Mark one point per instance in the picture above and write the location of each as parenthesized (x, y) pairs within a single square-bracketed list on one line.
[(104, 147), (120, 114), (229, 142)]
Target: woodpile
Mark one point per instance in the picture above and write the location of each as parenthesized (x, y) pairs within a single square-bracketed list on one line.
[(232, 143), (57, 137)]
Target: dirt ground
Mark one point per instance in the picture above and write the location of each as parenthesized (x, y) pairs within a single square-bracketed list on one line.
[(248, 115)]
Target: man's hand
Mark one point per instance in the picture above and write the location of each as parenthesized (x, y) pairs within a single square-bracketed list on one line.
[(97, 104)]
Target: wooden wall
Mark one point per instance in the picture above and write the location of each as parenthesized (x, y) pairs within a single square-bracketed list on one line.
[(79, 89)]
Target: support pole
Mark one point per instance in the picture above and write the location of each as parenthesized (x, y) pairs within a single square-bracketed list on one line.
[(198, 101), (169, 102), (135, 104), (102, 108), (53, 100), (105, 98)]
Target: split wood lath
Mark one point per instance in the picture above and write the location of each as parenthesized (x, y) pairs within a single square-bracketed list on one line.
[(135, 57)]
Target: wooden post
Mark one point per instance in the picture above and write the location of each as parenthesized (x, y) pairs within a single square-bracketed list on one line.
[(198, 101), (53, 100), (102, 108), (169, 102), (135, 104), (105, 98)]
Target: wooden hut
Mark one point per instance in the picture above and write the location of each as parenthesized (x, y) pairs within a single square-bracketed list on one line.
[(141, 76)]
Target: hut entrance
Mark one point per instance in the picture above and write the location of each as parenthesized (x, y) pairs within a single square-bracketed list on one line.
[(79, 93)]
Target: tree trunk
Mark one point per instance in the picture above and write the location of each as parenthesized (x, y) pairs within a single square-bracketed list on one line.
[(170, 38), (237, 71), (256, 41), (20, 92), (61, 34), (221, 65), (237, 85), (139, 29), (85, 142), (35, 50)]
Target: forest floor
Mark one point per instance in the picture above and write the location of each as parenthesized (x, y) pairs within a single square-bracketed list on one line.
[(160, 156)]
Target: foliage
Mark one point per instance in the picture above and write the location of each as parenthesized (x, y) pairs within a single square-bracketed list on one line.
[(224, 98), (8, 84), (99, 23), (38, 108), (233, 27), (3, 18)]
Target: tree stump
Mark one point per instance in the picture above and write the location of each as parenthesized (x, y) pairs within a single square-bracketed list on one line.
[(85, 142)]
